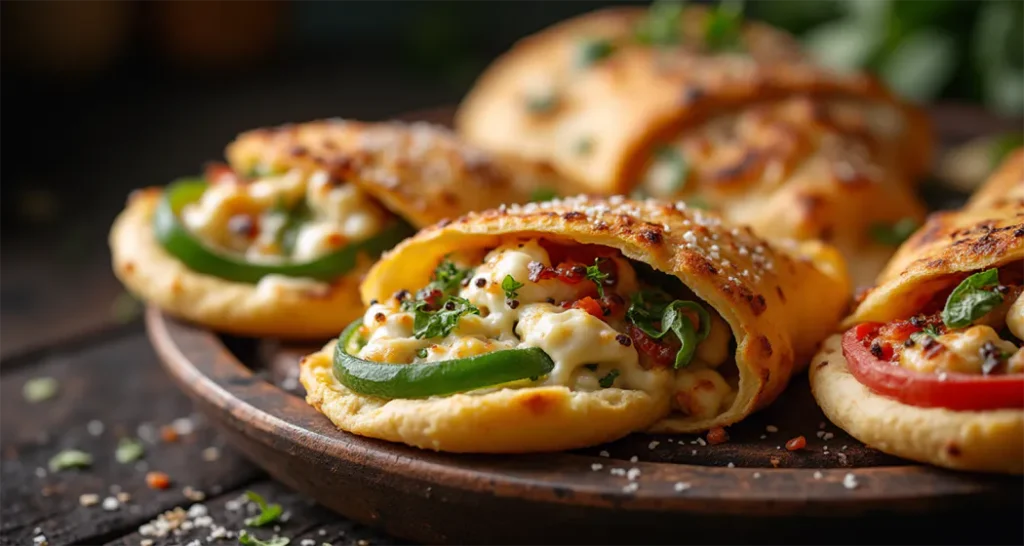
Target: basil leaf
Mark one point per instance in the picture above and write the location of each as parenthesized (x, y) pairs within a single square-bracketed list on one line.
[(510, 285), (893, 234), (592, 50), (595, 275), (660, 25), (269, 513), (608, 380), (69, 458), (674, 320), (972, 299), (447, 277), (436, 324)]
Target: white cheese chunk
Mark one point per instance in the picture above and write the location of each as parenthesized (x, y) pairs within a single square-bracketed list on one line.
[(962, 351), (1015, 317)]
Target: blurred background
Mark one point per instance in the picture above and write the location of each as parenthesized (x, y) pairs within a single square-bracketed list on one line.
[(102, 97)]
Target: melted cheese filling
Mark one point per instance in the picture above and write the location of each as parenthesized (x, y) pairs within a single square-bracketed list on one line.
[(961, 351), (584, 349), (244, 217)]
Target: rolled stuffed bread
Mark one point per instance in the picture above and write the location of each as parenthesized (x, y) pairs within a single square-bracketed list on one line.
[(277, 242), (930, 367), (699, 106), (574, 322)]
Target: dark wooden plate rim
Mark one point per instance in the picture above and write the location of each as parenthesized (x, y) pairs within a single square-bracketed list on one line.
[(199, 362)]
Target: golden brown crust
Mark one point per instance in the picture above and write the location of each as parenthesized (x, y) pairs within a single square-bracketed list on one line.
[(951, 243), (988, 441), (283, 310), (640, 96), (420, 171), (778, 303), (494, 421)]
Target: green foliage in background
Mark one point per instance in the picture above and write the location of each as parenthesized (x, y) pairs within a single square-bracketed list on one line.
[(924, 49)]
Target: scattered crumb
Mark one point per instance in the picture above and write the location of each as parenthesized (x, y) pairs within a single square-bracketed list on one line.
[(757, 475), (110, 504), (771, 428), (731, 465), (701, 442), (603, 454), (653, 444), (633, 474), (40, 540), (168, 435), (211, 454), (634, 459), (362, 542), (322, 532), (193, 494), (817, 474), (630, 487), (146, 542), (618, 472), (681, 486), (850, 481), (123, 497), (89, 499), (596, 466), (796, 444), (183, 426), (95, 427)]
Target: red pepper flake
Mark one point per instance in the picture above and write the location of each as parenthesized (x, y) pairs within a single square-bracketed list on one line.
[(168, 434), (158, 480), (590, 305), (795, 444), (717, 435)]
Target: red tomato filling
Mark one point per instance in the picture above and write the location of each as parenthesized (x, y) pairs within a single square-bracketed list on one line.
[(865, 347)]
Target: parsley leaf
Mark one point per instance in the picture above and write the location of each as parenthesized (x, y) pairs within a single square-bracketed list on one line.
[(608, 380), (595, 275), (246, 539), (268, 512), (660, 26), (972, 299), (543, 194), (722, 29), (893, 234), (447, 277), (440, 323), (129, 450), (648, 309), (39, 389), (510, 285), (931, 330), (70, 458), (592, 50)]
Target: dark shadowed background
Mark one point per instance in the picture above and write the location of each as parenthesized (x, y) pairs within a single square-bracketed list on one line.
[(102, 97)]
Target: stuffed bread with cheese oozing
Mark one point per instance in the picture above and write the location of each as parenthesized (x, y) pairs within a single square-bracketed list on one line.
[(277, 242), (931, 367), (574, 322), (699, 106)]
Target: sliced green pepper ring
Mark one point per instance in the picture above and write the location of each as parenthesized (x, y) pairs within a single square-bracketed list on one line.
[(177, 240), (434, 378)]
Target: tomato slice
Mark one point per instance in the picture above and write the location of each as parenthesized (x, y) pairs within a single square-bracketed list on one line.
[(957, 391)]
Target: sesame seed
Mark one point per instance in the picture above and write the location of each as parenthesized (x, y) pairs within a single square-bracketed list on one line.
[(681, 486), (701, 442)]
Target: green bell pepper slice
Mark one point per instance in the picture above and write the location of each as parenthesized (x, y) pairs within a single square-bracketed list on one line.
[(183, 245), (434, 378)]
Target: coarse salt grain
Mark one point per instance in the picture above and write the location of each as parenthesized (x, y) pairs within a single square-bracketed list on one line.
[(89, 499), (850, 481), (633, 474), (618, 472), (630, 487), (653, 444), (681, 486), (596, 466), (110, 504), (95, 427), (701, 442)]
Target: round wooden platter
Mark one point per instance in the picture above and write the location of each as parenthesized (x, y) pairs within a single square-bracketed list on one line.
[(748, 490)]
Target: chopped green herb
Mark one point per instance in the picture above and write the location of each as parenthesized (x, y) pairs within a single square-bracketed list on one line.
[(670, 165), (972, 299), (608, 380), (447, 277), (893, 234), (510, 286), (722, 30), (440, 323), (591, 367), (584, 146), (40, 389), (247, 539), (422, 353), (648, 310), (70, 458), (592, 50), (931, 330), (543, 194), (541, 103), (269, 513), (595, 275), (129, 450), (660, 25), (1003, 145)]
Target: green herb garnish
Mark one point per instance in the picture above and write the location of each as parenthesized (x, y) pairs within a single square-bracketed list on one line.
[(422, 353), (543, 194), (447, 277), (39, 389), (893, 234), (722, 29), (608, 380), (70, 458), (247, 539), (595, 275), (592, 50), (972, 299), (649, 309), (510, 286), (129, 450), (433, 324), (660, 25), (269, 513)]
